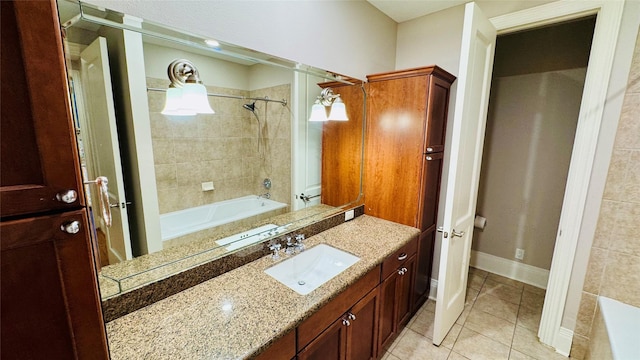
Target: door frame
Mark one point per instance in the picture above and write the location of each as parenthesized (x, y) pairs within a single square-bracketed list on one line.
[(605, 39)]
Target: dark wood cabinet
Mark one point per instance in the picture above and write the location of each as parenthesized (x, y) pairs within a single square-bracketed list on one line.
[(404, 144), (38, 149), (396, 296), (283, 349), (50, 307), (330, 345), (353, 336)]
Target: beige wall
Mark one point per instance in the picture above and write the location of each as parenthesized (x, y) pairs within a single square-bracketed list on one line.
[(530, 130), (222, 148), (614, 263)]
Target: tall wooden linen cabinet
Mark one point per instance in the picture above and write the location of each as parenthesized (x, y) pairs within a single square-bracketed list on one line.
[(404, 145), (49, 295)]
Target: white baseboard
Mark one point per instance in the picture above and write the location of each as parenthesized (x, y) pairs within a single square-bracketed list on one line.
[(512, 269), (563, 340)]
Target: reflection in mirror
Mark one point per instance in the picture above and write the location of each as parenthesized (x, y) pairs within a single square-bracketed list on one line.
[(184, 190)]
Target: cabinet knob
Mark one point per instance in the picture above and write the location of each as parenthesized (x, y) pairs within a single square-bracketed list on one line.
[(429, 149), (346, 322), (67, 197), (400, 272), (402, 256), (351, 316), (72, 227)]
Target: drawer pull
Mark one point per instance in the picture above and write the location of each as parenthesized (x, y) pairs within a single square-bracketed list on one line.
[(72, 227), (402, 256)]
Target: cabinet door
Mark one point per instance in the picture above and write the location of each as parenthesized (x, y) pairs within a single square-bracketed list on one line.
[(362, 335), (38, 154), (404, 293), (437, 108), (387, 317), (424, 262), (330, 345), (394, 148), (429, 190), (49, 302)]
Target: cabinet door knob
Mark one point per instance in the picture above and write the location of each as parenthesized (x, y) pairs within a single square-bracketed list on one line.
[(429, 149), (402, 256), (351, 316), (67, 197), (346, 322), (400, 272), (72, 227)]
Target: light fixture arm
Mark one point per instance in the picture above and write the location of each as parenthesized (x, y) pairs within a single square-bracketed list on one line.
[(327, 96), (181, 72)]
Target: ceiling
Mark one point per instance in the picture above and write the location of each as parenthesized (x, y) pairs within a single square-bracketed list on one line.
[(404, 10)]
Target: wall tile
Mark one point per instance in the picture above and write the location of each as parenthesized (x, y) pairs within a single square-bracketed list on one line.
[(166, 176), (626, 235), (595, 269), (632, 181), (613, 189), (629, 126), (585, 314), (606, 224), (621, 279)]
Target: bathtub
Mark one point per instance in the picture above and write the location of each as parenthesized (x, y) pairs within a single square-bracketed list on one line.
[(187, 221), (615, 331)]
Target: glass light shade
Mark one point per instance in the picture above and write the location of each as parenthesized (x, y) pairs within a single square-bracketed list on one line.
[(194, 98), (318, 112), (338, 111), (173, 103)]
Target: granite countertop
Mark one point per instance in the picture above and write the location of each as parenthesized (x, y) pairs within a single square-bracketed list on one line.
[(241, 312)]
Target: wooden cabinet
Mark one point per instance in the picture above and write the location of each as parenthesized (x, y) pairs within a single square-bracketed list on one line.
[(346, 327), (282, 349), (352, 336), (404, 144), (50, 306), (396, 291), (342, 145)]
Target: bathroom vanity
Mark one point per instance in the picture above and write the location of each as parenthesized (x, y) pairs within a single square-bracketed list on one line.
[(245, 312)]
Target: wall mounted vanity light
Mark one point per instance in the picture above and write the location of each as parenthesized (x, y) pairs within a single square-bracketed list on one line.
[(338, 111), (186, 96)]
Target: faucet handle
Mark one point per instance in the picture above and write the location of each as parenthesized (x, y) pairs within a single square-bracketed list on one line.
[(276, 251), (299, 242)]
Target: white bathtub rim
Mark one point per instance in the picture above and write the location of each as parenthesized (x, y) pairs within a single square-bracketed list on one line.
[(622, 322), (273, 205)]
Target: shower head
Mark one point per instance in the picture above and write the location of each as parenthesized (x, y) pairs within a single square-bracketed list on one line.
[(251, 107)]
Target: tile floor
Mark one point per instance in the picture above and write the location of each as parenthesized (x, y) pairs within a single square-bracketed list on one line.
[(500, 321)]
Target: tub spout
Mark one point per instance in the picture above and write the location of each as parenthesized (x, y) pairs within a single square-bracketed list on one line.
[(265, 195)]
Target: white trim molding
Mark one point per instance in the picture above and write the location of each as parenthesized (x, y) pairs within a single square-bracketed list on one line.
[(515, 270), (605, 39), (563, 341)]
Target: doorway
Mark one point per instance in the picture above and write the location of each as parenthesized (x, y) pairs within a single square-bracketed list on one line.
[(536, 91)]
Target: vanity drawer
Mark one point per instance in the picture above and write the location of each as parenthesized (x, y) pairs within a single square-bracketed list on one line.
[(393, 262), (321, 319)]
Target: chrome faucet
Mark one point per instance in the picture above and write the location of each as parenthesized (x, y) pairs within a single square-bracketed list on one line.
[(265, 195)]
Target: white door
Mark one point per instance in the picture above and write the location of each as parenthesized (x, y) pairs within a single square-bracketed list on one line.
[(470, 116), (103, 149)]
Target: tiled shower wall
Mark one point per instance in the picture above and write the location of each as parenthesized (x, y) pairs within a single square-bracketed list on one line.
[(614, 263), (222, 148)]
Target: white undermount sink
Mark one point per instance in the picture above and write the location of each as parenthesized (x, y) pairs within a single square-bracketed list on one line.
[(311, 268)]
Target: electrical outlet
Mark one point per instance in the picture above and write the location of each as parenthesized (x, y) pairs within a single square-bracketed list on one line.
[(519, 254), (348, 215)]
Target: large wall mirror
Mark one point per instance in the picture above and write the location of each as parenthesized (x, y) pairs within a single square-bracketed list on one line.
[(187, 189)]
